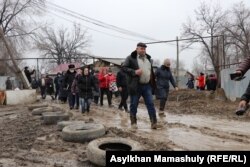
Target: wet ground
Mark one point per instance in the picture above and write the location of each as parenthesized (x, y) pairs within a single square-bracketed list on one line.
[(194, 121)]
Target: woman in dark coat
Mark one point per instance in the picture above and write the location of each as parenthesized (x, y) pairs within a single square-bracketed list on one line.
[(163, 77), (85, 83)]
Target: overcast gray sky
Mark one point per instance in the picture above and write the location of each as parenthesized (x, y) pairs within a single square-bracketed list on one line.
[(159, 19)]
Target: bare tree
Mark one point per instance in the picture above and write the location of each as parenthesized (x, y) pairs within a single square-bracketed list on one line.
[(237, 30), (62, 45), (208, 23), (15, 16), (16, 25)]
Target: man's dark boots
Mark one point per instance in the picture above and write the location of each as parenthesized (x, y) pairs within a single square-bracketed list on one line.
[(154, 124), (133, 122)]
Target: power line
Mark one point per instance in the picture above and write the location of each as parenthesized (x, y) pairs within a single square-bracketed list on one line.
[(76, 15), (94, 21), (184, 39), (116, 36)]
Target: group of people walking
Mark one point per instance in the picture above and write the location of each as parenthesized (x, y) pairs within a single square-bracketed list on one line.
[(82, 86), (202, 82), (135, 78)]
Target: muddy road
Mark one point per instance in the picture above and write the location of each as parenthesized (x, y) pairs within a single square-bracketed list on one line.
[(194, 121)]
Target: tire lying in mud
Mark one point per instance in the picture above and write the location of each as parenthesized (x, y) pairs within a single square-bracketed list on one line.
[(62, 124), (82, 133), (50, 118), (39, 111), (96, 149), (34, 106)]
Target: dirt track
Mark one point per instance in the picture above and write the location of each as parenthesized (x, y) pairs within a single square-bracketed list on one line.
[(193, 122)]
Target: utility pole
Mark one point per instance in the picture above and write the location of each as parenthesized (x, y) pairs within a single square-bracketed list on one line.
[(177, 61), (223, 51), (37, 69)]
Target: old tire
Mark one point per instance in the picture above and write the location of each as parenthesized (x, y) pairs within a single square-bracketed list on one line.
[(34, 106), (82, 133), (50, 118), (96, 148), (62, 124), (39, 111)]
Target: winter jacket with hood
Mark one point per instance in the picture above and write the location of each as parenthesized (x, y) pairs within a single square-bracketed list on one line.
[(163, 77)]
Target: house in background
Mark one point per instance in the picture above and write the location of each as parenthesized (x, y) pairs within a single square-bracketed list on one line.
[(93, 62)]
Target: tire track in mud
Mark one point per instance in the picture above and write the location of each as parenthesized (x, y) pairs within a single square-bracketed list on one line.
[(213, 132)]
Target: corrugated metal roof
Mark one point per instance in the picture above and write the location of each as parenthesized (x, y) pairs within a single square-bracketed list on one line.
[(115, 61)]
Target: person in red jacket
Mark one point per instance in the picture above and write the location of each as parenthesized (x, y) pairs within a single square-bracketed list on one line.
[(201, 81), (104, 85)]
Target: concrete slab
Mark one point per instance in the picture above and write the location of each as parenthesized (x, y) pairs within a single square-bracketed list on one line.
[(14, 97)]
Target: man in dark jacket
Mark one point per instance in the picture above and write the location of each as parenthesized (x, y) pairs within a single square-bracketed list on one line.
[(121, 81), (141, 80), (28, 73), (243, 105), (67, 83)]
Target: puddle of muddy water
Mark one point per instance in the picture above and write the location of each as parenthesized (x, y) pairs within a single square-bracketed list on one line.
[(186, 131)]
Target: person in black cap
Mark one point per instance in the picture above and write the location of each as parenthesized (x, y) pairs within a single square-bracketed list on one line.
[(28, 73), (141, 82), (67, 83)]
